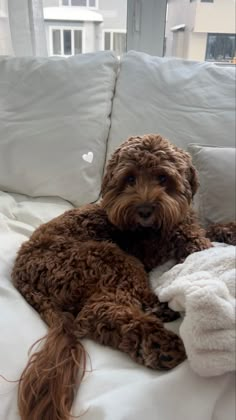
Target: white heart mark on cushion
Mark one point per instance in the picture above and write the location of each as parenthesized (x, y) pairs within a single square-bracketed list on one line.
[(88, 157)]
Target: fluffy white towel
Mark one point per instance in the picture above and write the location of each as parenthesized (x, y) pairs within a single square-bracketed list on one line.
[(204, 288)]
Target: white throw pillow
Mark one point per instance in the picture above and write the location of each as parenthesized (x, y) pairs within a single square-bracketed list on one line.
[(216, 198), (54, 124), (183, 100)]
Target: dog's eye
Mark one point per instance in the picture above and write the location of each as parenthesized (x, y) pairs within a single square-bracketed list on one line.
[(162, 179), (130, 180)]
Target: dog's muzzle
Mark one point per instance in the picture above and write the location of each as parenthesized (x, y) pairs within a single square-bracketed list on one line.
[(145, 213)]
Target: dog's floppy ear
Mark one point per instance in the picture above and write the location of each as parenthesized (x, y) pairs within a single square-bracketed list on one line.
[(109, 170), (193, 179), (112, 165), (191, 173)]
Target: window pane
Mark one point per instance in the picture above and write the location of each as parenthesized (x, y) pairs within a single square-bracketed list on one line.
[(211, 44), (79, 3), (220, 47), (119, 43), (92, 3), (78, 42), (65, 2), (107, 41), (67, 42), (56, 41), (230, 47)]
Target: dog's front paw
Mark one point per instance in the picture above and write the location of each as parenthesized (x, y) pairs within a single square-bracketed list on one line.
[(196, 245), (163, 312), (163, 350)]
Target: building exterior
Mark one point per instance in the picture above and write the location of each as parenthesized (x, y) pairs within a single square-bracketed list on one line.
[(201, 30), (80, 26)]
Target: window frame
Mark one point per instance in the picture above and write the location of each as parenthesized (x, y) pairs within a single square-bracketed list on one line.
[(207, 44), (61, 29), (113, 31), (87, 4)]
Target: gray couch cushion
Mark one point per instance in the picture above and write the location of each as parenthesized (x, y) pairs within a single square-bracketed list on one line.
[(216, 200), (54, 123), (186, 101)]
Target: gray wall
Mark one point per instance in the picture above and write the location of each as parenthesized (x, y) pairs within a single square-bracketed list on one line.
[(51, 3), (180, 12), (114, 13)]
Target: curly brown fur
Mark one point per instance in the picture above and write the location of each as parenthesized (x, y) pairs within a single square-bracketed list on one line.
[(51, 380), (222, 232), (85, 272)]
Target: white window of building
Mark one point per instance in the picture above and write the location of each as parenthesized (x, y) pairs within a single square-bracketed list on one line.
[(66, 41), (82, 3), (115, 40)]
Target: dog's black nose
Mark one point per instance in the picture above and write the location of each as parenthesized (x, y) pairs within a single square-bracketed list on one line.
[(145, 210)]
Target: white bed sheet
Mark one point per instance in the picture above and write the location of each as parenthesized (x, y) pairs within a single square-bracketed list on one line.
[(116, 388)]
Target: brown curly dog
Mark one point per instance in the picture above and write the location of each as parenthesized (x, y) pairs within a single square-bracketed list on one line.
[(85, 272)]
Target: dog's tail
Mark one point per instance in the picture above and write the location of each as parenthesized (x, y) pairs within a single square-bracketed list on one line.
[(48, 382)]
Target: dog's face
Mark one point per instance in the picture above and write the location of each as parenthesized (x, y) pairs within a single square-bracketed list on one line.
[(148, 183)]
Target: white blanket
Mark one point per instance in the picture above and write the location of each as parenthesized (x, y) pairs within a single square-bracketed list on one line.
[(116, 388), (204, 288)]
